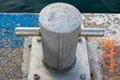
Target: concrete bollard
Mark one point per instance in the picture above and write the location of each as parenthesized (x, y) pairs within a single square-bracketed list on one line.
[(60, 29)]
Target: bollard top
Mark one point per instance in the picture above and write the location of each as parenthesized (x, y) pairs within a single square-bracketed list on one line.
[(60, 18)]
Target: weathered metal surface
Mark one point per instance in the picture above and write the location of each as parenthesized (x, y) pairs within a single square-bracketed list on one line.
[(27, 31), (60, 27), (35, 31), (92, 32), (26, 57), (79, 72)]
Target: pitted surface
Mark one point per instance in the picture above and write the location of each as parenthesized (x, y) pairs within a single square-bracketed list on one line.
[(111, 23), (60, 17), (10, 63)]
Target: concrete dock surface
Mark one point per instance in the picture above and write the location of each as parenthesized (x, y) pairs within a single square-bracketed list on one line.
[(14, 62)]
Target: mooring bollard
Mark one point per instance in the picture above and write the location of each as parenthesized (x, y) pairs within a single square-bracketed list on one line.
[(60, 26), (59, 30)]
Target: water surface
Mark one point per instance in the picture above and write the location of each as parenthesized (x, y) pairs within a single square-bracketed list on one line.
[(85, 6)]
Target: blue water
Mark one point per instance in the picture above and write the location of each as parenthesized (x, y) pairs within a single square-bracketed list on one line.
[(85, 6)]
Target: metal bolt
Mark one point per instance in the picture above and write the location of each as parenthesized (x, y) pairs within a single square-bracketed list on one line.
[(79, 40), (38, 39), (29, 45), (36, 77), (18, 25), (83, 77)]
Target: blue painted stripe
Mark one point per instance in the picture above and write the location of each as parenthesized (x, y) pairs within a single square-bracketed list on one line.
[(8, 22)]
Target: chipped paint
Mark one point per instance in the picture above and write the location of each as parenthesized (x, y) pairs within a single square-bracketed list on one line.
[(111, 23), (107, 46), (8, 21)]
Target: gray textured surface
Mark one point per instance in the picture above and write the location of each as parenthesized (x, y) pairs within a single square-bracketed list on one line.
[(10, 63), (79, 72), (111, 23), (60, 17), (26, 58), (60, 27)]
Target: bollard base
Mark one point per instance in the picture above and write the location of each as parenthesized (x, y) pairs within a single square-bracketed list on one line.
[(57, 70), (80, 70)]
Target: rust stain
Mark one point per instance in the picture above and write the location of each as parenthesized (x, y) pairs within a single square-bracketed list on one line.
[(107, 45)]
